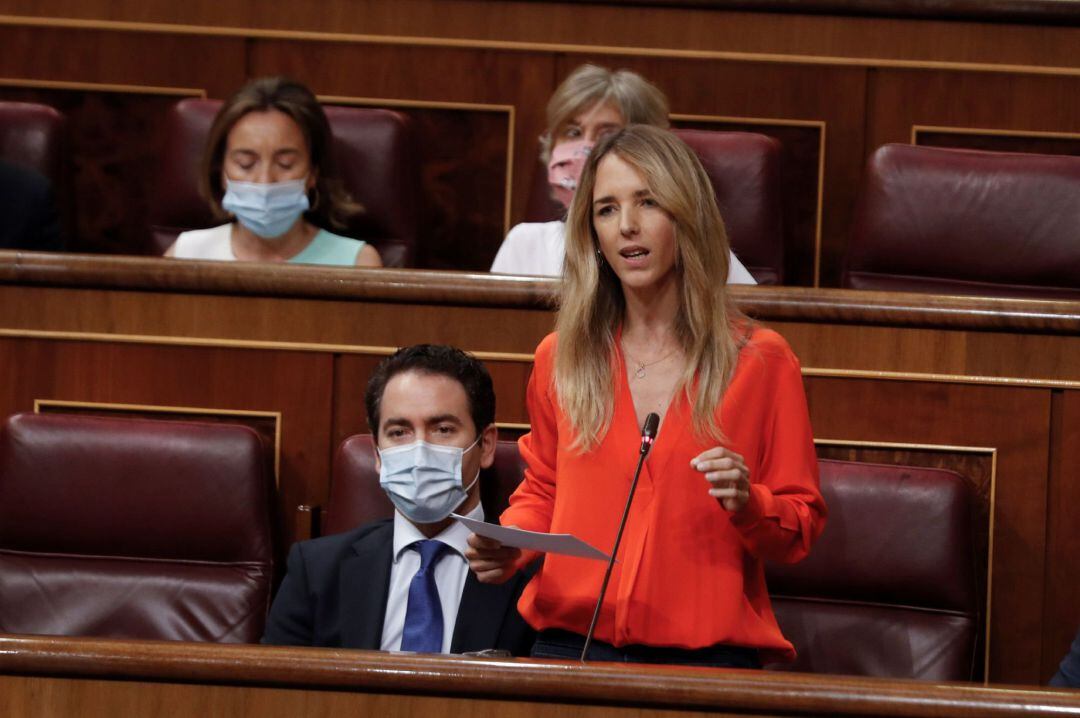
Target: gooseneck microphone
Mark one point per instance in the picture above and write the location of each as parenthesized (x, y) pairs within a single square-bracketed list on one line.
[(648, 436)]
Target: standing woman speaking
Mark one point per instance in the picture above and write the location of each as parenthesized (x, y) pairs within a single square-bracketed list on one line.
[(645, 325)]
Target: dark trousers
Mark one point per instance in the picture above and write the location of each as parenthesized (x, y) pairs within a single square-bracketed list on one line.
[(555, 643)]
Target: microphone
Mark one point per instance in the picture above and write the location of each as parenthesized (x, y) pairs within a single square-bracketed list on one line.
[(648, 436)]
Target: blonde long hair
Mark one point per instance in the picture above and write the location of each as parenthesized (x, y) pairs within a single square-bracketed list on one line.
[(592, 305)]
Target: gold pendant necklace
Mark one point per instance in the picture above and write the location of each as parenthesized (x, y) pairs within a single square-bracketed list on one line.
[(642, 366)]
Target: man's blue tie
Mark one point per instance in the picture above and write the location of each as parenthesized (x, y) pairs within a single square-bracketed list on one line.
[(423, 630)]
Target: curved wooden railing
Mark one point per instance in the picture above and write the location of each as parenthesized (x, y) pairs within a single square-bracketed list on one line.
[(639, 686), (483, 289)]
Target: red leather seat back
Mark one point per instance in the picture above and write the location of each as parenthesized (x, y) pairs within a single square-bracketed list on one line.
[(967, 222), (745, 171), (376, 157), (131, 528), (356, 498), (32, 136), (889, 588), (744, 168)]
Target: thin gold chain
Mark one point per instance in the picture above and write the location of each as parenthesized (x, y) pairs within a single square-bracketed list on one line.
[(642, 366)]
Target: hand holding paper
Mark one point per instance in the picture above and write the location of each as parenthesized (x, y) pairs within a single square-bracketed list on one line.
[(533, 540)]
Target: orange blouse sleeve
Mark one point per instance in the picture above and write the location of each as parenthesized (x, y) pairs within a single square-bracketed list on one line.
[(786, 512), (531, 505)]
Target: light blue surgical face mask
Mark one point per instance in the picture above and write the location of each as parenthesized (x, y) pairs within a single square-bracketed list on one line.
[(268, 209), (424, 480)]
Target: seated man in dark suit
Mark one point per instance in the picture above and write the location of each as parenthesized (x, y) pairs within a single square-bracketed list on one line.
[(26, 204), (404, 583)]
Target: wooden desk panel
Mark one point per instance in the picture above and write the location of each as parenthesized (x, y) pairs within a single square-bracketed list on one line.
[(893, 372), (44, 676)]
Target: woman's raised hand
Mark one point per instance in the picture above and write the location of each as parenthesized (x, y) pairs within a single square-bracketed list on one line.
[(728, 477)]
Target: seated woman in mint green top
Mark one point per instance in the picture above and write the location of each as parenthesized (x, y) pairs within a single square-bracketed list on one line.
[(267, 164)]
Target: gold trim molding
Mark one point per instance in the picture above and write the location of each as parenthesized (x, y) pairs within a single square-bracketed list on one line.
[(988, 132), (103, 87)]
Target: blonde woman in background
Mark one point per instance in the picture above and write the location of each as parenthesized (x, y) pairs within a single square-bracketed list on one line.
[(732, 477), (591, 103)]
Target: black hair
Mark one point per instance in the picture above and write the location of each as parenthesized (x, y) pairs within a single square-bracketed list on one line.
[(448, 361)]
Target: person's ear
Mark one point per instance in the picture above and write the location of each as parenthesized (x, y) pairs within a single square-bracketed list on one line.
[(489, 439), (378, 458)]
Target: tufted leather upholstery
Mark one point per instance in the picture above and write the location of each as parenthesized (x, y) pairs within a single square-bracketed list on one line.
[(131, 528), (889, 589), (377, 162), (745, 171), (32, 135), (967, 222)]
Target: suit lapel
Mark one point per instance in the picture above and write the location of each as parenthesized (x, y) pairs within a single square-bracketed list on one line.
[(365, 583), (481, 615)]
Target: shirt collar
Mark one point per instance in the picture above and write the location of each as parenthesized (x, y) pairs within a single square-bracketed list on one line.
[(455, 535)]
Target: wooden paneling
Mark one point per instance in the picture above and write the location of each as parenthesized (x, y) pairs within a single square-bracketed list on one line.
[(677, 27), (901, 99), (163, 60), (1061, 614), (999, 140), (47, 676)]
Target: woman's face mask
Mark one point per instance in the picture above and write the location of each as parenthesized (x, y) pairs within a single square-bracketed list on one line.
[(564, 169), (268, 209), (424, 480)]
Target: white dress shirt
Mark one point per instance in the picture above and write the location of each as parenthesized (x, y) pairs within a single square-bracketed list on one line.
[(450, 574)]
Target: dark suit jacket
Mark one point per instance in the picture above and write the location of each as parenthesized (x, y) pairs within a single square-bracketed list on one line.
[(29, 219), (334, 595), (1068, 675)]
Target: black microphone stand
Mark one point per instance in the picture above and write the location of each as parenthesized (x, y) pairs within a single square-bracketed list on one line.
[(651, 422)]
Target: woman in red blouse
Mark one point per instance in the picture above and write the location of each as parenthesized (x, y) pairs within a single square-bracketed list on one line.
[(645, 325)]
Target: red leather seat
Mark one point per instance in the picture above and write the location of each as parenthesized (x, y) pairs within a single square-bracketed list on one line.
[(889, 589), (745, 171), (376, 157), (131, 528), (967, 222), (32, 136)]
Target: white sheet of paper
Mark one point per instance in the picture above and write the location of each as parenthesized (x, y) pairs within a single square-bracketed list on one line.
[(533, 540)]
